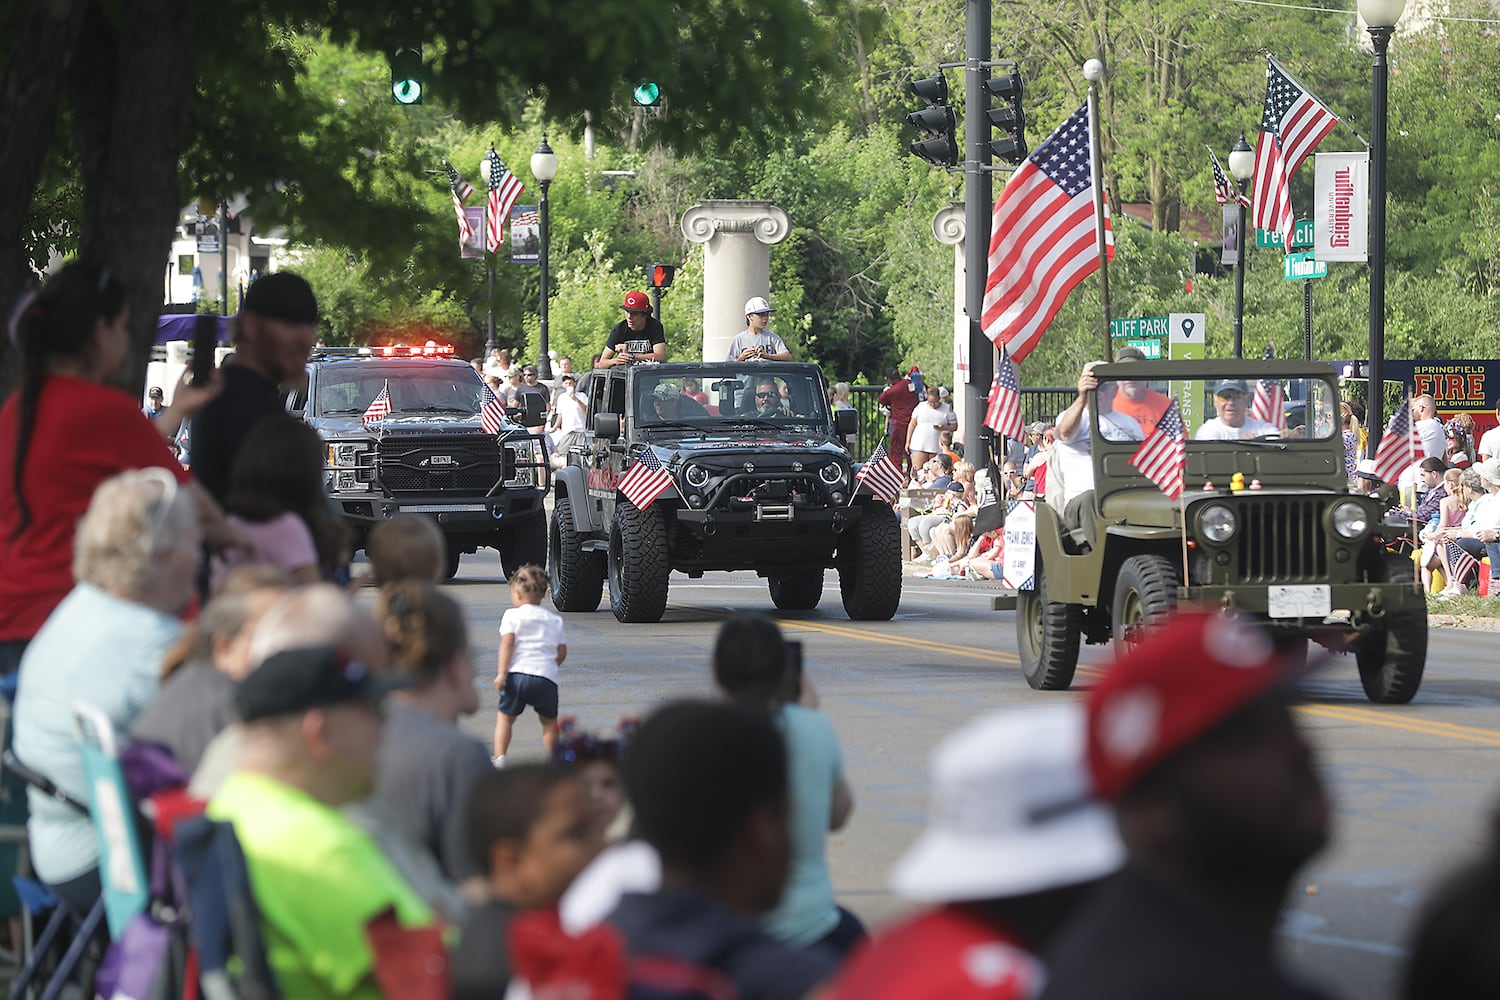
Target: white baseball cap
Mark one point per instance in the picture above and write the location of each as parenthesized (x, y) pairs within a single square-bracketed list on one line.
[(1012, 812), (756, 304)]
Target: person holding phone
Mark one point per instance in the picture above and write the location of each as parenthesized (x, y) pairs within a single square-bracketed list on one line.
[(756, 342), (638, 337)]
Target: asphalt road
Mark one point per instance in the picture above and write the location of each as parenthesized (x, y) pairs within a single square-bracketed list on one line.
[(1413, 785)]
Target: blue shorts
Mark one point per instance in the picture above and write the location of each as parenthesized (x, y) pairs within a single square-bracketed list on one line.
[(520, 690)]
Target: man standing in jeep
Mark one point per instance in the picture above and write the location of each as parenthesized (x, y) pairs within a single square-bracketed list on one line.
[(1072, 451), (638, 337)]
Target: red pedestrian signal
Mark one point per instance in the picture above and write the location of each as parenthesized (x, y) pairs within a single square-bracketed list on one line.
[(661, 275)]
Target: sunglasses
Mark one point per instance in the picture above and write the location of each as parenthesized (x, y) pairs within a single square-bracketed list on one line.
[(766, 395)]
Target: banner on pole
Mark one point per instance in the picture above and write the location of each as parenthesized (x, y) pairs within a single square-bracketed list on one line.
[(525, 235), (1232, 241), (1341, 206), (474, 249)]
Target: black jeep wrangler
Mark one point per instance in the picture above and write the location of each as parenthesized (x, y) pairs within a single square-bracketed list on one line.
[(430, 455), (759, 480)]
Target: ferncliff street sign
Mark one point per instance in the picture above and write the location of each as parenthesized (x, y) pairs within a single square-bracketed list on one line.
[(1302, 236), (1301, 266)]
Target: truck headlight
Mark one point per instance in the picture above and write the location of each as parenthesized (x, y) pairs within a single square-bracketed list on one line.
[(1349, 520), (349, 463), (1217, 523), (696, 476), (832, 474)]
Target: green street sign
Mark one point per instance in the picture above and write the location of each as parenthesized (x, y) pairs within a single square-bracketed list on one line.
[(1302, 236), (1301, 266), (1139, 326), (1149, 346)]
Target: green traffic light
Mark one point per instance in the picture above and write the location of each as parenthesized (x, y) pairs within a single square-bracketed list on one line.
[(646, 94), (407, 91)]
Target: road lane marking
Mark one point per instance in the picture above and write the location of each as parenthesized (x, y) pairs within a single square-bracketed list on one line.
[(1424, 727)]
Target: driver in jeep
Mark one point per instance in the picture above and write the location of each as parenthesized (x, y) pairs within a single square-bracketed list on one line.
[(768, 399), (1233, 421)]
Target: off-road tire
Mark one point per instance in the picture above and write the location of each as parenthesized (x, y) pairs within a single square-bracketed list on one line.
[(1047, 636), (523, 543), (870, 565), (638, 563), (577, 576), (1392, 658), (1145, 592), (797, 591)]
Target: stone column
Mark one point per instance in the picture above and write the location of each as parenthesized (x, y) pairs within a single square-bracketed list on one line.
[(737, 236), (949, 227)]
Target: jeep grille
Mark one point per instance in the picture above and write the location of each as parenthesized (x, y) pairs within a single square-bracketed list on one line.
[(1281, 540), (461, 463)]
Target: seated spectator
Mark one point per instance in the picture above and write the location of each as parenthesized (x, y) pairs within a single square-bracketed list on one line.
[(1478, 533), (709, 787), (136, 559), (407, 547), (530, 831), (596, 760), (312, 727), (1450, 514), (985, 559), (196, 700)]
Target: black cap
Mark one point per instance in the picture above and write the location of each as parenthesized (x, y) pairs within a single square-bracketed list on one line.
[(284, 296), (155, 392), (297, 680)]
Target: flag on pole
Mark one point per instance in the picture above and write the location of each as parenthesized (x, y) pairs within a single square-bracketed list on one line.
[(461, 190), (1225, 193), (1400, 447), (504, 190), (646, 480), (1269, 403), (491, 412), (1461, 563), (1004, 413), (380, 406), (1292, 124), (1042, 241), (1162, 457), (881, 474)]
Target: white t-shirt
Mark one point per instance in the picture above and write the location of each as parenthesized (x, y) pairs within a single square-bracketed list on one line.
[(538, 633), (1489, 444), (744, 339), (1433, 441), (1218, 430), (924, 436), (570, 412), (1073, 457), (1483, 514)]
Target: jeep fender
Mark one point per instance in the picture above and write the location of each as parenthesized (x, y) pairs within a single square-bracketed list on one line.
[(572, 482), (1070, 579)]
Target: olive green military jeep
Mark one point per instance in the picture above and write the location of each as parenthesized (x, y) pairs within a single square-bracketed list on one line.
[(1272, 531)]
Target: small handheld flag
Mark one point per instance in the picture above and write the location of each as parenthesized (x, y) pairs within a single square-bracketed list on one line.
[(1162, 457), (1003, 415), (881, 474), (1269, 402), (1400, 447), (646, 480), (380, 406)]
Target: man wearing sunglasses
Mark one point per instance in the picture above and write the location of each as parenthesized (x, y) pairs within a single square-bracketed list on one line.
[(768, 402)]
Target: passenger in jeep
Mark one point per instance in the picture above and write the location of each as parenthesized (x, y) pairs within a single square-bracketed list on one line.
[(1233, 421)]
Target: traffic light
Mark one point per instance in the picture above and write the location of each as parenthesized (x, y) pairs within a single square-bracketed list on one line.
[(1009, 118), (646, 95), (935, 121), (408, 76), (661, 275)]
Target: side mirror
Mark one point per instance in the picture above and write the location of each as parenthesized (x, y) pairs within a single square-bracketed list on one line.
[(845, 422), (533, 410), (607, 426)]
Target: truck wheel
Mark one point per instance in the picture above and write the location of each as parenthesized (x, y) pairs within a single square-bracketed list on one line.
[(523, 543), (1145, 591), (577, 576), (797, 591), (638, 564), (870, 565), (1392, 658), (1047, 633)]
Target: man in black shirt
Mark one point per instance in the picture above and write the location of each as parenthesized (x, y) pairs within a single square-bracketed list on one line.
[(1191, 736), (273, 336), (638, 337)]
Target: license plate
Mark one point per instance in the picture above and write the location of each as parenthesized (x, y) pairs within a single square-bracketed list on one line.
[(1305, 601)]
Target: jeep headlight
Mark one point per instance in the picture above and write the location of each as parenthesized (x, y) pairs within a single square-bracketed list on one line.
[(832, 474), (696, 476), (1349, 520), (1217, 523)]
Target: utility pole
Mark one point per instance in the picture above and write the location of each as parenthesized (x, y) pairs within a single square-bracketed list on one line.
[(978, 199)]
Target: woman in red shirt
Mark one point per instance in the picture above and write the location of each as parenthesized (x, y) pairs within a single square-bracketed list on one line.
[(62, 433)]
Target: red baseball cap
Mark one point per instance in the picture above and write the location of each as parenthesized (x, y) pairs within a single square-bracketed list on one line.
[(637, 302), (1184, 677)]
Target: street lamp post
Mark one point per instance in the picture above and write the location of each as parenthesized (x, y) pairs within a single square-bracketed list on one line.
[(544, 168), (489, 258), (1380, 18), (1242, 166)]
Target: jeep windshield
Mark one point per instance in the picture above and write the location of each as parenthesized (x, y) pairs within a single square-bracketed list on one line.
[(757, 396), (415, 388), (1275, 411)]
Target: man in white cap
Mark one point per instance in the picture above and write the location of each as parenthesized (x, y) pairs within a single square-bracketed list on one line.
[(1014, 841), (756, 342)]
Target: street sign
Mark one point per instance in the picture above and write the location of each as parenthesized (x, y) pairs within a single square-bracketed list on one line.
[(1301, 266), (208, 244), (1139, 326), (1187, 339), (1149, 346), (1302, 236)]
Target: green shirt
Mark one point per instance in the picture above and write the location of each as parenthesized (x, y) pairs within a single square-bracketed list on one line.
[(318, 881)]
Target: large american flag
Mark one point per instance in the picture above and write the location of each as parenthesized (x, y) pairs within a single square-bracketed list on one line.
[(1004, 413), (504, 190), (646, 480), (1292, 124), (462, 190), (1162, 457), (491, 412), (1042, 240), (1400, 447), (380, 406), (1225, 193), (881, 474), (1269, 402), (1460, 563)]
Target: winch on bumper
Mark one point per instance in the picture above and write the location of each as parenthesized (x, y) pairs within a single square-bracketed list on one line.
[(764, 499)]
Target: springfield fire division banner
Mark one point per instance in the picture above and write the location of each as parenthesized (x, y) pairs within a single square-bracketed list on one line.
[(1341, 206)]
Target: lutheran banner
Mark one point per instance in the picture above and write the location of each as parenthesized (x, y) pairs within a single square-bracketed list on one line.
[(1341, 206)]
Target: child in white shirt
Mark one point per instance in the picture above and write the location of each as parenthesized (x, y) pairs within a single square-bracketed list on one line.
[(532, 647)]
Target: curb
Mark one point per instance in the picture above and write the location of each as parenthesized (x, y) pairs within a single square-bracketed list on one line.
[(1475, 623)]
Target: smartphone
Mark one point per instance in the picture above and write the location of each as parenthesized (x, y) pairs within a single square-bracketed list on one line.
[(205, 345)]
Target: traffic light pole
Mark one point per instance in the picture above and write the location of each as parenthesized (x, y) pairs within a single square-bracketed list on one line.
[(978, 196)]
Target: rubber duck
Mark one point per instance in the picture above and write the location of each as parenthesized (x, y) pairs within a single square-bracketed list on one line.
[(1236, 482), (1255, 484)]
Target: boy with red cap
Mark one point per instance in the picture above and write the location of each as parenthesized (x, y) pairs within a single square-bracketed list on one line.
[(638, 337), (1191, 737)]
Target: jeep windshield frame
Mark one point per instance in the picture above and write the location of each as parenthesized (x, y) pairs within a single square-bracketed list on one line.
[(670, 398)]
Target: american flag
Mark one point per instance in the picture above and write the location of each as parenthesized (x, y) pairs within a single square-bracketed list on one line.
[(504, 190), (528, 218), (1269, 401), (646, 480), (1042, 240), (881, 474), (380, 406), (1460, 563), (461, 190), (491, 412), (1292, 124), (1004, 413), (1225, 193), (1400, 447), (1163, 456)]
